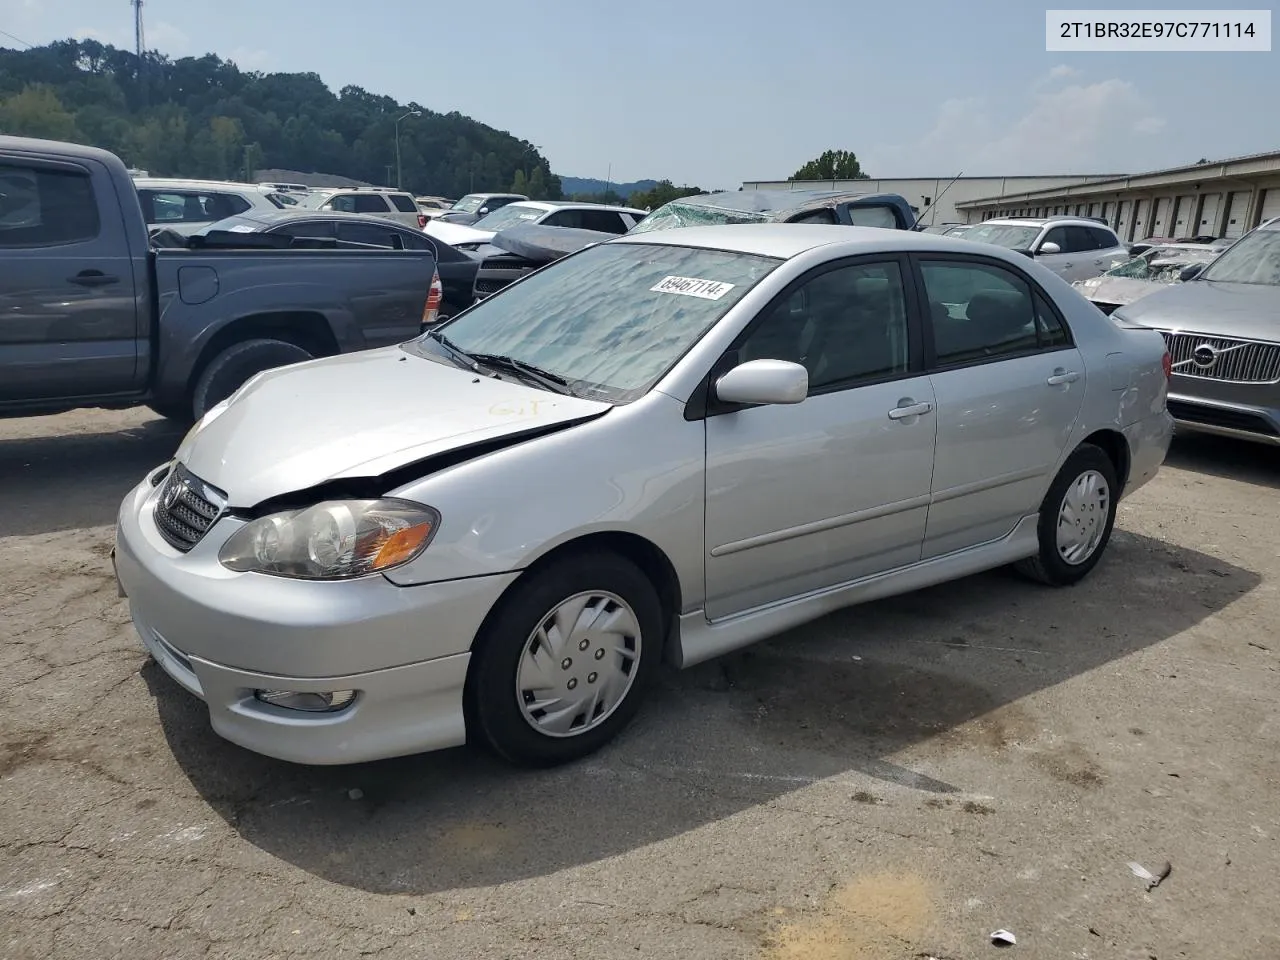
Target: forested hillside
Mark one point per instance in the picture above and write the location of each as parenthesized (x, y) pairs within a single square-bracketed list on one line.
[(204, 117)]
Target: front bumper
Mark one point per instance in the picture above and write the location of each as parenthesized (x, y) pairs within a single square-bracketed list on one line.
[(223, 635), (1200, 411)]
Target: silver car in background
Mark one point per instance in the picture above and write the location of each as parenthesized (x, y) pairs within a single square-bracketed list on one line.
[(663, 447), (1222, 327)]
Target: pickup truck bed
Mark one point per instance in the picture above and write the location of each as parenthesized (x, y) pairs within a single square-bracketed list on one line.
[(92, 315)]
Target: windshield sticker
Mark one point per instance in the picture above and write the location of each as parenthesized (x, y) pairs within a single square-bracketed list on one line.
[(692, 287)]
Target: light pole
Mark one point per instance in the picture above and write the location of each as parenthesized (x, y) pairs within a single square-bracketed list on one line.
[(411, 113)]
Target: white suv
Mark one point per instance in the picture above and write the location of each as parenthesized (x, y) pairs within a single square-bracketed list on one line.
[(190, 205), (379, 201), (1075, 248)]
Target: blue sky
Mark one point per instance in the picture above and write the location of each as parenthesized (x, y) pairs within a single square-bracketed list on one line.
[(711, 92)]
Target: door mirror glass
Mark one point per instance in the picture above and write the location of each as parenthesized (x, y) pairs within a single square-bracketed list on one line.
[(1049, 247), (1190, 272), (764, 381)]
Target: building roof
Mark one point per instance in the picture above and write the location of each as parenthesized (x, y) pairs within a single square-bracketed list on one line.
[(1250, 164)]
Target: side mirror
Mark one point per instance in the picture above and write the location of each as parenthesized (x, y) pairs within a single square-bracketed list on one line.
[(483, 210), (1190, 272), (1049, 247), (764, 381)]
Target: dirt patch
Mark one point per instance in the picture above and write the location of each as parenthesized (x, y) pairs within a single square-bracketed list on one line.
[(878, 917), (1070, 764)]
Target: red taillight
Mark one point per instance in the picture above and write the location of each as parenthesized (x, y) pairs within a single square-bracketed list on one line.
[(431, 312), (422, 220), (1167, 363)]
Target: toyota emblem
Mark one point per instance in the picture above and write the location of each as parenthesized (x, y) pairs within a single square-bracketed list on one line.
[(1205, 355)]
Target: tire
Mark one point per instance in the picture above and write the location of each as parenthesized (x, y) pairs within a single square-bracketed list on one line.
[(177, 413), (1090, 476), (505, 659), (228, 370)]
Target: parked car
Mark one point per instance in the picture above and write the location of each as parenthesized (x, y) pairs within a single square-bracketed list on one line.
[(957, 230), (1135, 278), (1222, 332), (783, 206), (186, 206), (1075, 248), (457, 270), (433, 206), (377, 201), (1146, 243), (521, 249), (476, 205), (549, 213), (92, 316), (746, 428)]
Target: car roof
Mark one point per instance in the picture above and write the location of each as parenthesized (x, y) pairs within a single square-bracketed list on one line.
[(787, 240), (310, 213), (180, 182), (550, 205), (769, 201)]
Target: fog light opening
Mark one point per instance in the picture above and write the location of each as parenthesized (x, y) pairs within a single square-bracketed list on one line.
[(330, 702)]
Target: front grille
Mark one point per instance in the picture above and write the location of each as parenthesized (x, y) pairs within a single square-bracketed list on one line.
[(1221, 417), (186, 508), (1222, 358), (489, 285)]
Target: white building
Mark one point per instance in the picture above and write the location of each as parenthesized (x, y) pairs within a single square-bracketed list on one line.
[(936, 197), (1219, 198)]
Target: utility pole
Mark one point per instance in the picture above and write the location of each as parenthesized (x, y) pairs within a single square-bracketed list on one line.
[(411, 113), (139, 47)]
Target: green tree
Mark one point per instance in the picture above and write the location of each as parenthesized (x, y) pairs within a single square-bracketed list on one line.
[(538, 184), (520, 184), (832, 165), (37, 112), (664, 192)]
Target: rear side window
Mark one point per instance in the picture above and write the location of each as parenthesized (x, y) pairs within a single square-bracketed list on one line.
[(370, 203), (604, 220), (183, 206), (403, 203), (825, 215), (1103, 239), (41, 207), (872, 216)]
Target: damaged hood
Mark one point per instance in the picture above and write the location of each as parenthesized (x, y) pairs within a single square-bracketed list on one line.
[(359, 415), (1117, 290), (456, 233), (1250, 311)]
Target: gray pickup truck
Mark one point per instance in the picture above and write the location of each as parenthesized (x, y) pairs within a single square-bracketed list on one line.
[(93, 314)]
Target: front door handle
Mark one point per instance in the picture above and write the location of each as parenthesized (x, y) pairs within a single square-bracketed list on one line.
[(1061, 376), (93, 278), (909, 408)]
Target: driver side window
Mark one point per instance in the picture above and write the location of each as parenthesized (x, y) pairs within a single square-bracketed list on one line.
[(845, 326)]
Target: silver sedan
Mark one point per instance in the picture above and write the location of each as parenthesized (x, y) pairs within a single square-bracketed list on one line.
[(662, 448)]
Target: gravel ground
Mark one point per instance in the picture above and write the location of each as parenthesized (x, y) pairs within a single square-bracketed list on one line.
[(893, 782)]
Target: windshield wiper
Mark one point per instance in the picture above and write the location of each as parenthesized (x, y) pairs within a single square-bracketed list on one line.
[(552, 381), (456, 352)]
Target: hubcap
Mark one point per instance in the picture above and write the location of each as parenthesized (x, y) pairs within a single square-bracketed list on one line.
[(578, 664), (1082, 518)]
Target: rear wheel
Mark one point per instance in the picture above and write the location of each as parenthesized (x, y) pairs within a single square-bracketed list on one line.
[(562, 665), (229, 370), (1076, 519)]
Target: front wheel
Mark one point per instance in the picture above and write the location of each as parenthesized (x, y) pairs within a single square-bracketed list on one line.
[(1076, 519), (227, 371), (563, 663)]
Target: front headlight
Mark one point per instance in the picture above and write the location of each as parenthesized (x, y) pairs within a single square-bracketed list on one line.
[(334, 540)]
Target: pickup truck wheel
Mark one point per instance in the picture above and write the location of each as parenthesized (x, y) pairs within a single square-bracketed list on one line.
[(228, 370)]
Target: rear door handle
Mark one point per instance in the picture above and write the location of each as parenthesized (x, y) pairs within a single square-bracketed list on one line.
[(1061, 376), (93, 278), (909, 408)]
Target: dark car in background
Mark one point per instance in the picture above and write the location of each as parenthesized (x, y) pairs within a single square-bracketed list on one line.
[(783, 206), (476, 205), (457, 270)]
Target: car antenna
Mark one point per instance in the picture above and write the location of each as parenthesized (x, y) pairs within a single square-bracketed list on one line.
[(916, 225)]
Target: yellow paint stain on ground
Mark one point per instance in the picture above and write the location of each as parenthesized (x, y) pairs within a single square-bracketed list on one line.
[(878, 917), (475, 839)]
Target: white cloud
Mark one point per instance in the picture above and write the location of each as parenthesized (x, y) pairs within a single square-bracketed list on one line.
[(166, 38), (249, 58), (1062, 71), (1074, 128)]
